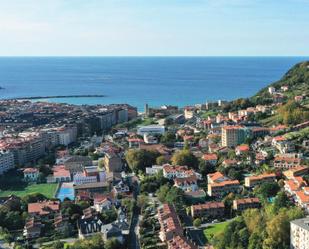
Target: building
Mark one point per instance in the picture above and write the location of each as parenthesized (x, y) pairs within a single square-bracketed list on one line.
[(297, 171), (102, 202), (171, 172), (286, 162), (81, 178), (294, 184), (32, 228), (232, 136), (299, 233), (31, 174), (216, 177), (186, 183), (151, 129), (89, 224), (44, 209), (242, 149), (61, 174), (180, 242), (92, 188), (6, 161), (243, 204), (112, 162), (208, 210), (252, 181), (221, 188), (154, 169), (210, 158)]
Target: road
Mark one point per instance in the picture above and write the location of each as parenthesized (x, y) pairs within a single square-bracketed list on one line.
[(134, 228)]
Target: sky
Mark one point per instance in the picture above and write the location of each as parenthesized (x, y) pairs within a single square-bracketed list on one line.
[(154, 27)]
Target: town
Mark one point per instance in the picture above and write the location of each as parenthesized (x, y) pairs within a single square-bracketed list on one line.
[(221, 174)]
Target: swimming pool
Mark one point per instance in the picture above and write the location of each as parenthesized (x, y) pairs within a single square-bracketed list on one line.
[(66, 190)]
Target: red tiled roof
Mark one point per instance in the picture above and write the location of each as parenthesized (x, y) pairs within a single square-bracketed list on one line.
[(209, 205), (43, 208), (30, 170), (210, 157)]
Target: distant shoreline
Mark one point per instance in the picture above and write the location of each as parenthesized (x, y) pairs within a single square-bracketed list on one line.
[(59, 97)]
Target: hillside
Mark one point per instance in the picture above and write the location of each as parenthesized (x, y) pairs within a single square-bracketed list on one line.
[(296, 79)]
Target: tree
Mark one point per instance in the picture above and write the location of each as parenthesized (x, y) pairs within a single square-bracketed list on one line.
[(161, 160), (197, 222), (281, 200), (113, 244), (168, 139), (142, 201), (267, 189), (139, 159), (185, 158)]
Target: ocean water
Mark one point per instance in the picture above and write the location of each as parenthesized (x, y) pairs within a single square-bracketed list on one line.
[(139, 80)]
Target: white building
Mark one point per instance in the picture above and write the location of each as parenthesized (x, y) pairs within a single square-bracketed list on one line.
[(155, 169), (67, 135), (151, 129), (6, 161), (80, 178), (300, 234), (271, 90), (31, 174)]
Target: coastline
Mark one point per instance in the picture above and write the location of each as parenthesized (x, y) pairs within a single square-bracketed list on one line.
[(58, 97)]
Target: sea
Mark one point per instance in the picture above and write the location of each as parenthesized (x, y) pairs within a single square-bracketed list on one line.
[(139, 80)]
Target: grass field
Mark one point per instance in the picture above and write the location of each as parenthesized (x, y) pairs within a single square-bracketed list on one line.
[(215, 229), (46, 189)]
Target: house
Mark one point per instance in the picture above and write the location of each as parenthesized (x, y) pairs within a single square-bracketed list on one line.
[(302, 198), (112, 231), (186, 183), (282, 144), (216, 177), (297, 171), (61, 223), (180, 242), (154, 169), (102, 202), (286, 162), (218, 189), (121, 188), (44, 209), (243, 204), (31, 174), (252, 181), (150, 139), (210, 158), (229, 162), (89, 224), (171, 172), (135, 142), (294, 184), (32, 228), (208, 210), (169, 223), (242, 149)]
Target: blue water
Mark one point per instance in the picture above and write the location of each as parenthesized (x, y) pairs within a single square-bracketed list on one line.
[(139, 80), (66, 190)]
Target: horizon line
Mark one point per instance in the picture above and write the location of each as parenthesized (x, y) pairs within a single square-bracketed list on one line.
[(149, 56)]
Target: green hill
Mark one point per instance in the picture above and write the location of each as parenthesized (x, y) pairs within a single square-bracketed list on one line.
[(296, 79)]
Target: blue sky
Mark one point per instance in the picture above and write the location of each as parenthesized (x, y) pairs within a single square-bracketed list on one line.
[(154, 27)]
